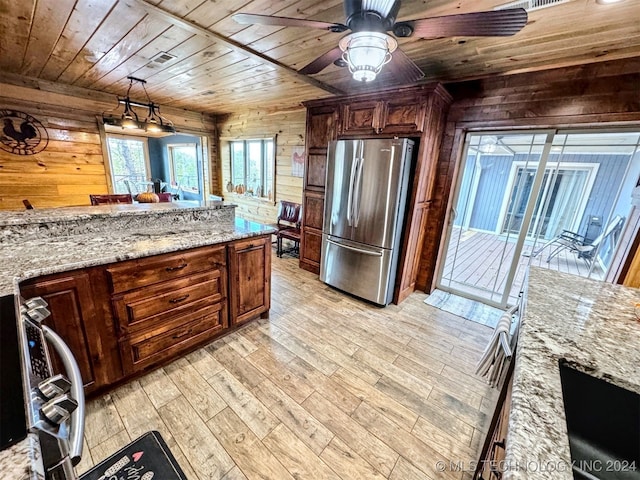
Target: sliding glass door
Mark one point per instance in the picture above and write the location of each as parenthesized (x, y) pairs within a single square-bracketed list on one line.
[(519, 193)]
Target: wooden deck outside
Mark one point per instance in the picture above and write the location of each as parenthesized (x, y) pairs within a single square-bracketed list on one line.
[(483, 261)]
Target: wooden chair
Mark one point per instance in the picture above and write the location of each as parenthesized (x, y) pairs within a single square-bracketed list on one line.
[(288, 226), (110, 199)]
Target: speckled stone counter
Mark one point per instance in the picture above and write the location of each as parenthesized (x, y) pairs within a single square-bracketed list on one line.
[(117, 234), (592, 325), (53, 222), (41, 242), (22, 461)]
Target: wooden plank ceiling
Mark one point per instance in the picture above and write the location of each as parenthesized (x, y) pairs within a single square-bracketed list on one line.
[(220, 66)]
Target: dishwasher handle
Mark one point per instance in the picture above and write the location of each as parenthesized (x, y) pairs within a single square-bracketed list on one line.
[(77, 393)]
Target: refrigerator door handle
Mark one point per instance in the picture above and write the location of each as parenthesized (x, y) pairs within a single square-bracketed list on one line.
[(357, 191), (355, 249), (354, 165)]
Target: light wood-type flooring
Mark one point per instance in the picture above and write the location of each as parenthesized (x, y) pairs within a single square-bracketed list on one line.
[(328, 388)]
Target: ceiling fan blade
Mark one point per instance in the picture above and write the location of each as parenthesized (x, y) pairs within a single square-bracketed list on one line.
[(252, 19), (403, 68), (497, 23), (322, 62)]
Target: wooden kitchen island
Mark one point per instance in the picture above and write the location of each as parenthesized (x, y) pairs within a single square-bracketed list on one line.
[(132, 287)]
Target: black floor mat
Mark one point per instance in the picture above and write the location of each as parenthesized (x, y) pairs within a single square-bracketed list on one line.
[(146, 458)]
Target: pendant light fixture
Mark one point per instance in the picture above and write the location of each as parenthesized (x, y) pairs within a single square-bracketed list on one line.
[(154, 124)]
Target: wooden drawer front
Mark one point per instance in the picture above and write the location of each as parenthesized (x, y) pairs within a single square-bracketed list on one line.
[(159, 268), (151, 305), (148, 348)]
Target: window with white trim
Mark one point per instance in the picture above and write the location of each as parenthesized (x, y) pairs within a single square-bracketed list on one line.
[(183, 163), (128, 160), (253, 167)]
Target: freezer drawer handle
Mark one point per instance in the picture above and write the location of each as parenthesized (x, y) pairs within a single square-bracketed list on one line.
[(355, 249)]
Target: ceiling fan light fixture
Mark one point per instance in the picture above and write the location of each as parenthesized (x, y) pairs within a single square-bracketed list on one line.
[(366, 53)]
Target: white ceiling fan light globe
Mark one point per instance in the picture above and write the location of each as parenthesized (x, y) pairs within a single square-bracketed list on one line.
[(366, 53)]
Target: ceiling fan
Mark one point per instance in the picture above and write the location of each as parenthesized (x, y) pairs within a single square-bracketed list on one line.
[(369, 47)]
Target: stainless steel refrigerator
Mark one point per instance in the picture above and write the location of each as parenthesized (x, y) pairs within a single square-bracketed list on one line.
[(365, 198)]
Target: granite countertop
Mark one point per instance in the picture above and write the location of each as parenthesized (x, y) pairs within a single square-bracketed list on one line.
[(19, 217), (58, 240), (592, 325), (32, 258)]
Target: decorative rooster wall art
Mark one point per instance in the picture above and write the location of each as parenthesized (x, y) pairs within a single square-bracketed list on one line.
[(22, 134)]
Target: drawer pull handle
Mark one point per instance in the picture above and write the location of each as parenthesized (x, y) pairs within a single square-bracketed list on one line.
[(179, 299), (179, 267), (183, 334)]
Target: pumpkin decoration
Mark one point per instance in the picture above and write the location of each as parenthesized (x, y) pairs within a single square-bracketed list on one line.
[(148, 197)]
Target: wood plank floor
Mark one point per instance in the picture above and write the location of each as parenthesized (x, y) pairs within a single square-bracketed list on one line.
[(482, 261), (328, 388)]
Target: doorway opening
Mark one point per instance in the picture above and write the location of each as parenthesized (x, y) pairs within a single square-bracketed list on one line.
[(180, 163), (554, 199)]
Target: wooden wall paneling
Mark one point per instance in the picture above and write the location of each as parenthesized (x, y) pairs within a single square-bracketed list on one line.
[(289, 127), (596, 95)]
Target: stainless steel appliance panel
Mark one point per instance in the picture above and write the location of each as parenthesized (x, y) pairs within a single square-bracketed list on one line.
[(357, 268), (378, 203), (341, 170)]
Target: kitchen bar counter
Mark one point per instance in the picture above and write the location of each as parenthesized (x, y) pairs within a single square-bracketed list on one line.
[(591, 324), (118, 234), (41, 242)]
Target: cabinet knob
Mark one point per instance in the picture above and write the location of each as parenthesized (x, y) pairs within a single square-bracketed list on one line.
[(58, 409), (54, 386)]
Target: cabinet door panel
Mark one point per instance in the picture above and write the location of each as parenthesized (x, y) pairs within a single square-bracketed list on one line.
[(404, 117), (313, 209), (310, 249), (316, 170), (72, 312), (321, 126), (361, 117), (250, 274)]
